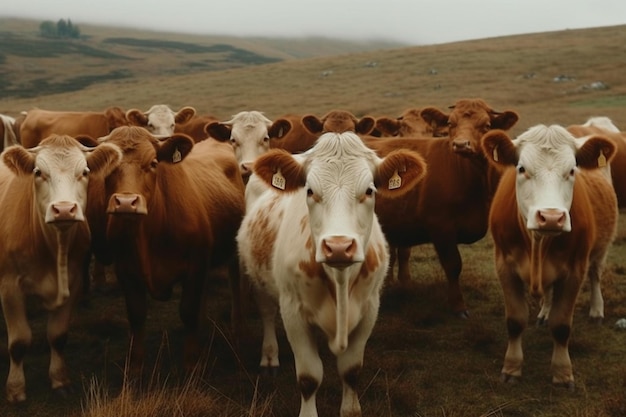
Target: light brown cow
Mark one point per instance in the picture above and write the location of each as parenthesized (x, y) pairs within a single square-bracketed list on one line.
[(160, 120), (44, 239), (7, 131), (451, 205), (553, 219), (411, 123), (171, 212), (39, 124)]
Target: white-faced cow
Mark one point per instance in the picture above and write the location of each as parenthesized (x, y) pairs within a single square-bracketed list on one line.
[(314, 249), (553, 219), (160, 120), (168, 214), (451, 206), (43, 242)]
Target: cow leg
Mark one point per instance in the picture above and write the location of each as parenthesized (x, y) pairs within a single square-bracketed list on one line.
[(596, 308), (404, 272), (565, 293), (136, 309), (190, 311), (546, 305), (269, 352), (393, 256), (58, 327), (450, 260), (309, 368), (19, 337), (516, 312)]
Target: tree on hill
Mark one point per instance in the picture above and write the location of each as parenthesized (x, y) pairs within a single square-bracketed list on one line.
[(62, 29)]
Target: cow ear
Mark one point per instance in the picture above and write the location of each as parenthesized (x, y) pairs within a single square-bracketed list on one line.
[(313, 124), (388, 126), (115, 117), (499, 148), (399, 172), (104, 158), (19, 160), (279, 169), (365, 125), (218, 131), (174, 149), (434, 117), (184, 115), (86, 140), (279, 128), (504, 120), (136, 117), (596, 152)]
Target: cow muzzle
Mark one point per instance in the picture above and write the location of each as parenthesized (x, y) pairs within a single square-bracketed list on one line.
[(550, 221), (63, 212), (339, 251), (462, 146), (127, 203)]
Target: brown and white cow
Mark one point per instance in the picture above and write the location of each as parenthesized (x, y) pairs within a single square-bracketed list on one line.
[(160, 120), (172, 211), (39, 124), (43, 242), (451, 205), (314, 249), (411, 123), (553, 219)]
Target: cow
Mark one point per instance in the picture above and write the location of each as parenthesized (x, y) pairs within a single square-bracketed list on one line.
[(168, 214), (249, 133), (39, 124), (313, 248), (160, 120), (617, 168), (43, 242), (410, 123), (196, 126), (304, 130), (451, 205), (7, 131), (553, 219)]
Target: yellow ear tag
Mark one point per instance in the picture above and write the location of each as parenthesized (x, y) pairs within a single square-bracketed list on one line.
[(176, 156), (495, 154), (278, 181), (601, 160), (395, 181)]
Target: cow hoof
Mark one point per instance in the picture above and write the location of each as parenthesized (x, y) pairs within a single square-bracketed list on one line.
[(596, 320), (569, 385), (271, 371), (509, 379), (64, 392)]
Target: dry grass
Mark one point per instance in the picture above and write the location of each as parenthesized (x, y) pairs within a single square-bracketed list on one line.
[(420, 360)]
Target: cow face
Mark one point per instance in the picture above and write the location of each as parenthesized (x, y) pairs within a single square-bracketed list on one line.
[(60, 167), (131, 186), (547, 160), (339, 178), (160, 120)]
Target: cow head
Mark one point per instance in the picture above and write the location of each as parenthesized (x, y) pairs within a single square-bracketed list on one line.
[(160, 120), (339, 177), (248, 132), (547, 160), (411, 123), (60, 167), (131, 186), (469, 120), (338, 121)]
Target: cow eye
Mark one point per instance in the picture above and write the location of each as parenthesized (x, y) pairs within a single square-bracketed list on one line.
[(521, 170), (37, 172), (309, 192), (86, 172), (369, 192), (154, 163)]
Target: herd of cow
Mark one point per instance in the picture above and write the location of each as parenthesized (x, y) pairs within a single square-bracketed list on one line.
[(312, 212)]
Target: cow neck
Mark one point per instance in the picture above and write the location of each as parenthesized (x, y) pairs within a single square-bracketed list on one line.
[(63, 238)]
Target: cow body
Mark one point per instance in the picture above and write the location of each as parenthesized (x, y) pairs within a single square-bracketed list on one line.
[(451, 206), (553, 219), (39, 124), (313, 248), (172, 212), (43, 241), (160, 120)]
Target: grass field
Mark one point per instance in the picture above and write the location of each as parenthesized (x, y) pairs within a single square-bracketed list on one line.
[(421, 360)]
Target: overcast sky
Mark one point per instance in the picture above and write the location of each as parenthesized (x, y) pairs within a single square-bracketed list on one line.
[(415, 22)]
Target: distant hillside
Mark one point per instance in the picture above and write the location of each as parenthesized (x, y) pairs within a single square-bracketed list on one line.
[(31, 65)]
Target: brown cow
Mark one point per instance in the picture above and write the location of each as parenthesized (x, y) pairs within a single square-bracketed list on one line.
[(172, 212), (451, 205), (160, 120), (196, 127), (39, 124), (553, 219), (411, 123), (44, 239)]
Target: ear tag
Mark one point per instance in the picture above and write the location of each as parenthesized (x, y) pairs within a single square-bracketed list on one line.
[(176, 156), (495, 154), (395, 181), (278, 181), (601, 160)]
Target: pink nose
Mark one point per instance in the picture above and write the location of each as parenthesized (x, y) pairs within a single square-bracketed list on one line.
[(127, 203), (64, 211), (550, 219), (339, 249)]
